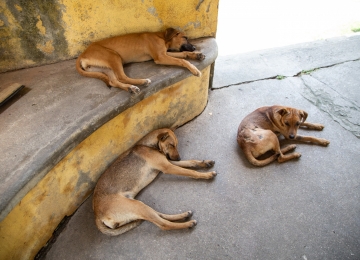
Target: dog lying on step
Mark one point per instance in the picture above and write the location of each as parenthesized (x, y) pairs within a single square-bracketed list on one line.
[(105, 59), (257, 133), (116, 210)]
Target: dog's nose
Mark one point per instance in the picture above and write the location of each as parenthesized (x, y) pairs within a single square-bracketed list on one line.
[(187, 47), (291, 136)]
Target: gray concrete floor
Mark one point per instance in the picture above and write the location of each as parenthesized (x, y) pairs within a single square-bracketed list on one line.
[(303, 209)]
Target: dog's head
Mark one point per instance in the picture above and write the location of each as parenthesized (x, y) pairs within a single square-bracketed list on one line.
[(167, 143), (289, 119), (177, 41)]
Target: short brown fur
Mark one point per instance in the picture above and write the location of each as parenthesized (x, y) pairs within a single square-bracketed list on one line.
[(258, 133), (105, 59), (116, 210)]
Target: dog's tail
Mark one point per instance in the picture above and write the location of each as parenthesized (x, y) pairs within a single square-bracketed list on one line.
[(91, 74), (119, 230)]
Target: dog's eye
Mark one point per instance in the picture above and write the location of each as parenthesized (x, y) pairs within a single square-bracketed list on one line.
[(287, 123), (297, 123)]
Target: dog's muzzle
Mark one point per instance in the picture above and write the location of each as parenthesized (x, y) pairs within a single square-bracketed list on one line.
[(177, 158), (187, 47)]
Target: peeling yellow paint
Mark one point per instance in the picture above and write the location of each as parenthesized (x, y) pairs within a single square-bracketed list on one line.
[(47, 48), (86, 22), (12, 44), (40, 26), (18, 7), (83, 21), (69, 183)]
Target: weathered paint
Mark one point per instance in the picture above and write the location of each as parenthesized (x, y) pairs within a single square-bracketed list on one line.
[(46, 31), (32, 34), (31, 223)]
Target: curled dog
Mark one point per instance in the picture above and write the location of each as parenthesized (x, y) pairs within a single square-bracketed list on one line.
[(105, 59), (116, 210), (258, 133)]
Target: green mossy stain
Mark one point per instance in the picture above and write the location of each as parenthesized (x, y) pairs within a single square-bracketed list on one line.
[(5, 36), (49, 12)]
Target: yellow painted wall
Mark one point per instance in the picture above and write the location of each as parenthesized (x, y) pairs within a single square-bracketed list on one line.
[(45, 31), (28, 227)]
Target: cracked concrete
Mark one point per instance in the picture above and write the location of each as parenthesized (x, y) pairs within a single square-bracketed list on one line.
[(319, 64), (302, 209), (323, 90), (288, 61)]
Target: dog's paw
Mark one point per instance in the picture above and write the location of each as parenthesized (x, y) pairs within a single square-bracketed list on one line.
[(194, 70), (133, 89), (193, 223), (296, 155), (200, 56), (208, 163), (147, 82), (324, 142), (318, 126), (213, 174), (190, 213), (288, 148), (198, 73)]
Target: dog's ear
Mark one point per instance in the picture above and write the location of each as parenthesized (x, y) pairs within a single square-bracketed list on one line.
[(303, 115), (162, 137), (279, 114), (282, 111), (170, 33)]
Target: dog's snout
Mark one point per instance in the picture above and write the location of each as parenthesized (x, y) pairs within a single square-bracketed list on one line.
[(176, 158), (291, 136), (187, 47), (173, 157)]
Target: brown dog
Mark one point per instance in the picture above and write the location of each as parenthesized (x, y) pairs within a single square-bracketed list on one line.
[(257, 133), (105, 59), (116, 210)]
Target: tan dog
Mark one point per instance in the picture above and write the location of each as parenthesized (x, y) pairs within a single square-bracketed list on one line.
[(105, 59), (116, 210), (257, 133)]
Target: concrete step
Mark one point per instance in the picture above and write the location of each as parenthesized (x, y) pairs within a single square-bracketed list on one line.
[(62, 130)]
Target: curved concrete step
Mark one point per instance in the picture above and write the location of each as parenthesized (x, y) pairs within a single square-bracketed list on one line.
[(63, 130)]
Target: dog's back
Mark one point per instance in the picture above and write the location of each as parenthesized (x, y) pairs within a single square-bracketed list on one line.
[(127, 175)]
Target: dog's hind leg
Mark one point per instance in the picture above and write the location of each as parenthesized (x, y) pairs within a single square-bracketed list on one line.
[(106, 64), (118, 229), (120, 77), (286, 157), (163, 221), (253, 160), (176, 217)]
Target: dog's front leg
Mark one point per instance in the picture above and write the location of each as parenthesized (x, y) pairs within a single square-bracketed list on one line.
[(194, 164), (312, 126), (187, 55), (311, 139), (168, 60), (169, 168)]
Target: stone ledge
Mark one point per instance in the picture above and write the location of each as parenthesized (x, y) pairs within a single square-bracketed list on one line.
[(58, 109)]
